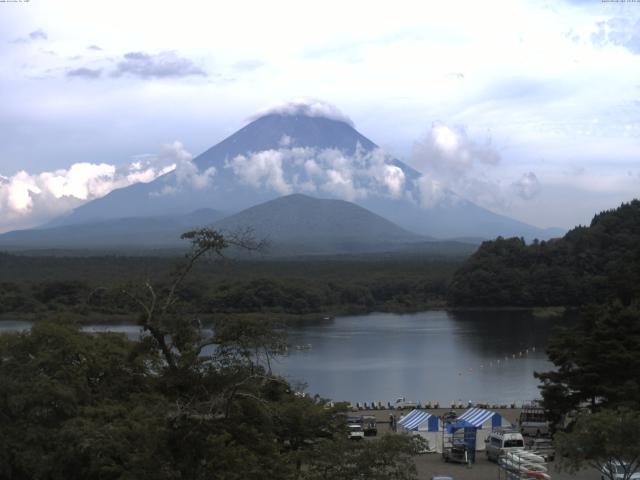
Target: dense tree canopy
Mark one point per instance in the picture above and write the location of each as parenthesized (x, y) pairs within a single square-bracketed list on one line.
[(597, 362), (594, 264), (608, 440), (77, 406), (44, 286), (182, 403)]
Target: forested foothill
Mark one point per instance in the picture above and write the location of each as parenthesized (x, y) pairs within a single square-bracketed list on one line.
[(593, 264)]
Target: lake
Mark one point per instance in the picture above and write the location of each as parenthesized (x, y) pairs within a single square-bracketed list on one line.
[(482, 356), (429, 356)]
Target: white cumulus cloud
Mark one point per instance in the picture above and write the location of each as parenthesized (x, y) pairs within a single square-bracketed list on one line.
[(261, 169), (456, 164), (307, 169), (449, 151), (28, 199), (309, 107)]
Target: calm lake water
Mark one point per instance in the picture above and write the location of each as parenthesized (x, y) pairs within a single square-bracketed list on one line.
[(429, 356)]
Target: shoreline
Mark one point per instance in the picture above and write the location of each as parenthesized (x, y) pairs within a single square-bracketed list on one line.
[(383, 416), (287, 319)]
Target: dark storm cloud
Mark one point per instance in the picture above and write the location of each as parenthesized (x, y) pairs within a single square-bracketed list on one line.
[(161, 65), (85, 73)]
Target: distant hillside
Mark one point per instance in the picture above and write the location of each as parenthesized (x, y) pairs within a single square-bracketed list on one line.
[(302, 224), (589, 264), (148, 232), (294, 225)]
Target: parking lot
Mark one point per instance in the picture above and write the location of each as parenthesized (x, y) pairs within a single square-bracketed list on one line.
[(432, 464)]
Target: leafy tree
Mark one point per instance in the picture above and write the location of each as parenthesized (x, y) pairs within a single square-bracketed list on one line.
[(597, 362), (600, 263), (388, 458), (50, 377), (606, 440), (183, 402)]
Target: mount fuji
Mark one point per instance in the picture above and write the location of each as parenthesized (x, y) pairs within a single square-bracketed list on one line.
[(302, 148)]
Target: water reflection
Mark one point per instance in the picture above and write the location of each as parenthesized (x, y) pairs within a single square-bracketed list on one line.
[(426, 356), (430, 356)]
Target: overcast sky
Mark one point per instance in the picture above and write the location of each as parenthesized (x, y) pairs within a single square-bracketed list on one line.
[(539, 101)]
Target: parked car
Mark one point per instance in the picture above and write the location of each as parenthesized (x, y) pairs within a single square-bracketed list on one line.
[(616, 470), (356, 432), (441, 478), (541, 446)]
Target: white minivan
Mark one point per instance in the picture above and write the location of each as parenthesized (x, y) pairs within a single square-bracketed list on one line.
[(356, 432), (503, 440)]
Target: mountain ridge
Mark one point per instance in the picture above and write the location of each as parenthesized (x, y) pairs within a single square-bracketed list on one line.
[(279, 154), (318, 225)]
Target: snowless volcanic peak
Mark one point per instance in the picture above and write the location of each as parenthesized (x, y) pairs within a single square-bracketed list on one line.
[(309, 147), (308, 107)]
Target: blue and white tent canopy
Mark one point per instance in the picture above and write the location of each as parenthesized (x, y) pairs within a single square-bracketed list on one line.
[(417, 418), (478, 417)]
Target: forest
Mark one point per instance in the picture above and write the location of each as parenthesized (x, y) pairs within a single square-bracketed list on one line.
[(100, 406), (592, 264), (42, 286), (78, 406), (592, 394), (598, 262)]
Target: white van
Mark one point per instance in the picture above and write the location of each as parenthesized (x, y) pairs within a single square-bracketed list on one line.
[(356, 432), (503, 440)]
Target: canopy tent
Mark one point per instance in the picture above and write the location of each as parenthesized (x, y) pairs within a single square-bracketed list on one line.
[(419, 422), (480, 418), (480, 422)]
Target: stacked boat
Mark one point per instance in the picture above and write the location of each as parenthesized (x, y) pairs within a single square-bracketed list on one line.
[(524, 465)]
